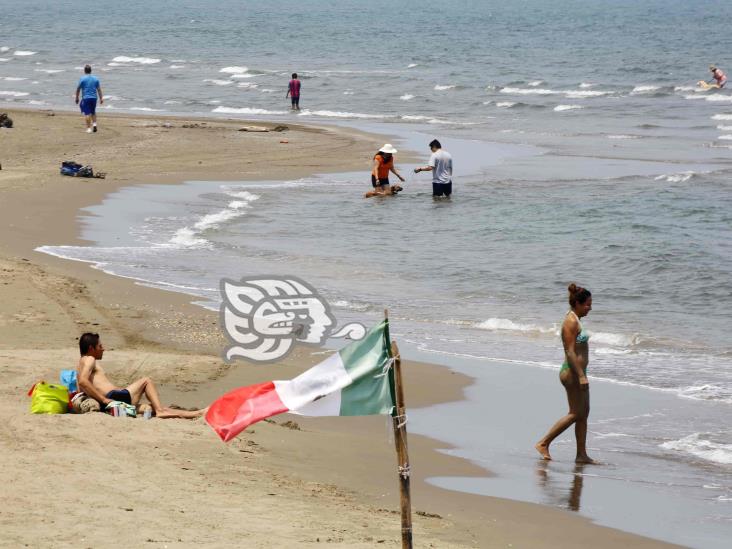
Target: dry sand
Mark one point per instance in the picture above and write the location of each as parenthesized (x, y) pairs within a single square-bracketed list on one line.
[(86, 481)]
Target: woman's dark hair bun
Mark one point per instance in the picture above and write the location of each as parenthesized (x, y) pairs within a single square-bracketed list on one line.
[(577, 294)]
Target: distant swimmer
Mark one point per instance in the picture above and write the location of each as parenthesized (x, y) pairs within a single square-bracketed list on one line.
[(293, 92), (383, 164), (89, 87), (719, 79), (573, 375), (440, 164)]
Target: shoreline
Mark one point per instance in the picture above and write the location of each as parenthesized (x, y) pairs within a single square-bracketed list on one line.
[(180, 328)]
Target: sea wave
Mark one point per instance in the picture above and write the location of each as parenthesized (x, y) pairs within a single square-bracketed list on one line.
[(560, 108), (531, 91), (245, 110), (581, 94), (234, 70), (506, 104), (725, 128), (13, 78), (722, 117), (217, 82), (702, 446), (188, 237), (438, 87), (13, 93), (50, 71), (3, 49), (3, 59), (586, 85), (406, 97), (682, 177), (725, 137), (623, 136), (536, 83), (22, 53), (138, 60), (412, 65), (615, 340), (645, 89), (706, 392), (505, 324), (339, 114)]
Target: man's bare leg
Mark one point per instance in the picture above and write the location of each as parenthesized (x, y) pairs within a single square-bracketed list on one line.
[(145, 386)]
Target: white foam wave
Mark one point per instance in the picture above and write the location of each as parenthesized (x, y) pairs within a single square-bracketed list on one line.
[(3, 59), (37, 103), (242, 76), (505, 324), (50, 71), (145, 109), (700, 445), (245, 110), (586, 85), (560, 108), (725, 137), (3, 49), (623, 136), (113, 98), (22, 53), (722, 117), (536, 83), (412, 65), (505, 104), (614, 340), (582, 94), (406, 97), (348, 92), (247, 85), (218, 82), (234, 70), (188, 237), (13, 78), (682, 177), (705, 392), (138, 60), (177, 67), (645, 89), (439, 87), (716, 98), (14, 93), (607, 351), (725, 128), (339, 114), (532, 91), (688, 88)]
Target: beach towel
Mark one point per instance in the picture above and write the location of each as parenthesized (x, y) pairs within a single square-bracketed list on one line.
[(48, 398)]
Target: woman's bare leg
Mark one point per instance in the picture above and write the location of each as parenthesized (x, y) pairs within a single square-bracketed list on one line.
[(574, 398), (580, 428)]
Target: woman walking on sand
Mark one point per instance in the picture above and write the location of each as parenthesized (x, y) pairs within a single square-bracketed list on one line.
[(573, 375)]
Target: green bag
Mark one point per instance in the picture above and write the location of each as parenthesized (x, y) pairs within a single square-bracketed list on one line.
[(47, 398)]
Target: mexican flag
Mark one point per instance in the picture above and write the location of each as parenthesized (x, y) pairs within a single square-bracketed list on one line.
[(356, 381)]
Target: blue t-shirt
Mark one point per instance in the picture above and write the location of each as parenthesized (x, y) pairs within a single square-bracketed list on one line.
[(88, 86)]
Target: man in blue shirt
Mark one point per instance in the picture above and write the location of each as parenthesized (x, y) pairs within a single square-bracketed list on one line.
[(89, 88)]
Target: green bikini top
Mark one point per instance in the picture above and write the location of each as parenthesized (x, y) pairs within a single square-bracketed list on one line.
[(583, 336)]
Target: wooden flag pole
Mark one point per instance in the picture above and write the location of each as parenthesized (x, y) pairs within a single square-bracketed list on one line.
[(399, 423)]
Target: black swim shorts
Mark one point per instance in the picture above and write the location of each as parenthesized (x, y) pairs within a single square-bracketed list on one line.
[(120, 395), (382, 182), (442, 189)]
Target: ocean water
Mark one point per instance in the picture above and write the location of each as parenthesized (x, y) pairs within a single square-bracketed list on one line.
[(583, 150)]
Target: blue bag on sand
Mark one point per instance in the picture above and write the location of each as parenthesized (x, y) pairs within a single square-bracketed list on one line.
[(68, 378)]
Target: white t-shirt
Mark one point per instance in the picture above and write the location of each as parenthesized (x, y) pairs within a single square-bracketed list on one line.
[(441, 163)]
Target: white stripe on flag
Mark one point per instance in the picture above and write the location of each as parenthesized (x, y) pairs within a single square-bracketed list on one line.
[(327, 378)]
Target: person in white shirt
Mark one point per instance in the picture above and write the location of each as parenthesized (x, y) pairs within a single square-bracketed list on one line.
[(440, 164)]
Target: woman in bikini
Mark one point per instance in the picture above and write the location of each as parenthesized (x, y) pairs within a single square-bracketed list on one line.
[(573, 376)]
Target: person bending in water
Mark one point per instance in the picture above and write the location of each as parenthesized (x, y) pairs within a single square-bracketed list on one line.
[(573, 375), (383, 164), (718, 76)]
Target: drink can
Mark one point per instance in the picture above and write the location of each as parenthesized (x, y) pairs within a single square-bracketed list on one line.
[(115, 410), (148, 413)]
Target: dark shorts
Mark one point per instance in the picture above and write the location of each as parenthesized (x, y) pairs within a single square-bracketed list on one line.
[(442, 189), (88, 106), (295, 101), (120, 395), (381, 182)]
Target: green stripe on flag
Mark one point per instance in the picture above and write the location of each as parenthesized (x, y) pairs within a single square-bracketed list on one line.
[(371, 392)]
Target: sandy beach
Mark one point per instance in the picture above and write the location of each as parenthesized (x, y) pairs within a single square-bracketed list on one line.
[(83, 480)]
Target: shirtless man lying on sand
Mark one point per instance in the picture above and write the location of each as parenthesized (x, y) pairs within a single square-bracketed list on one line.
[(95, 383)]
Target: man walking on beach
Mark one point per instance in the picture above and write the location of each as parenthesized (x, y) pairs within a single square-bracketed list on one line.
[(94, 383), (293, 91), (440, 164), (89, 88)]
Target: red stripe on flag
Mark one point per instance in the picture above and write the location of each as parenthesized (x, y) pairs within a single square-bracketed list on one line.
[(238, 409)]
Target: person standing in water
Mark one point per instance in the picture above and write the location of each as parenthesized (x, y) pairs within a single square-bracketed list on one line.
[(719, 76), (293, 91), (440, 164), (573, 375)]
